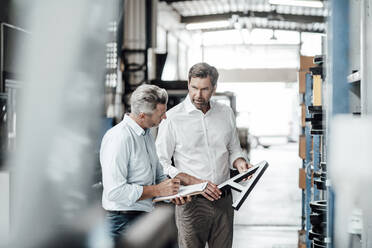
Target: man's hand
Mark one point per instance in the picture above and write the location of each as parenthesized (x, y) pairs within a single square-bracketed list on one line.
[(212, 192), (242, 166), (181, 200), (168, 187)]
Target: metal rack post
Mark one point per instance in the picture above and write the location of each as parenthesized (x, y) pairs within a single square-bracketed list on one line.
[(308, 102), (338, 44)]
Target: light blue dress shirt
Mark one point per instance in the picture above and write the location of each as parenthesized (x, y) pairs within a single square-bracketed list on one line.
[(129, 161)]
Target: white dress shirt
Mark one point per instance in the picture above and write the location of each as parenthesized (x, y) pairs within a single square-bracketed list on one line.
[(202, 145), (129, 162)]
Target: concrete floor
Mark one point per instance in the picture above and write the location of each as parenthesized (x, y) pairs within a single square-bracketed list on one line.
[(271, 215)]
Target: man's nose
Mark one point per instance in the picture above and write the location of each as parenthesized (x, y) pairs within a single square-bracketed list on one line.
[(199, 93)]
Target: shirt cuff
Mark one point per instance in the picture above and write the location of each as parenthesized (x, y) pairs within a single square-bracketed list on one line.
[(139, 191), (173, 171)]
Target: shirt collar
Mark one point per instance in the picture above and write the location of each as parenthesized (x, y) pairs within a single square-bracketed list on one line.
[(136, 128), (191, 107)]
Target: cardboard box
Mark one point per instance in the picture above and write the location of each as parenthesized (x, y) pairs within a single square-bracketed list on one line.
[(306, 62), (302, 178), (317, 90), (301, 238), (302, 147), (302, 81), (303, 115), (301, 245)]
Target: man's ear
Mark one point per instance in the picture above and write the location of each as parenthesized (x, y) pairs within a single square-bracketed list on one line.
[(141, 116), (214, 89)]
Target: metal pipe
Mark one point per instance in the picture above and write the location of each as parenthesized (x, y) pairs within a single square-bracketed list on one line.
[(363, 79), (57, 141), (366, 74)]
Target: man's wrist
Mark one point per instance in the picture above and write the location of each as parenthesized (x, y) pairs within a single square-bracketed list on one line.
[(153, 190), (237, 161), (187, 179), (156, 190)]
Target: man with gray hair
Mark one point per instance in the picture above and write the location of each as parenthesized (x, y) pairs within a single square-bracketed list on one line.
[(131, 172), (201, 136)]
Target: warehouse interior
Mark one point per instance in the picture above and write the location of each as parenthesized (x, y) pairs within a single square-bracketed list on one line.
[(295, 73)]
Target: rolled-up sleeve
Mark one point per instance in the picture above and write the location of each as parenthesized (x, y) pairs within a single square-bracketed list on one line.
[(160, 176), (165, 145), (114, 156), (235, 150)]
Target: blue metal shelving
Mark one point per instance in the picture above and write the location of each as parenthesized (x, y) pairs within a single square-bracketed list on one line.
[(316, 162), (312, 160), (308, 102)]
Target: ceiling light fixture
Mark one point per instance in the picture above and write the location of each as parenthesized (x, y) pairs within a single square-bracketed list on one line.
[(273, 37), (207, 25), (301, 3)]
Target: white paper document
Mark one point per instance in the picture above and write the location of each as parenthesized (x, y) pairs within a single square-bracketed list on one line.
[(184, 191)]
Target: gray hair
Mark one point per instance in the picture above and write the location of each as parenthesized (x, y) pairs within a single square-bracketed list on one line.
[(146, 97), (203, 70)]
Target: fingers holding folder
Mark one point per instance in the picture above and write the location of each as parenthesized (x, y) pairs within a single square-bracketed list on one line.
[(181, 200), (212, 192)]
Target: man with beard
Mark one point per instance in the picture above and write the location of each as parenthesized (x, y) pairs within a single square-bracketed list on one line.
[(201, 136)]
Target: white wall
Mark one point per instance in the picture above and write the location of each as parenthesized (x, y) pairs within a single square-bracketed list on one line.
[(265, 108)]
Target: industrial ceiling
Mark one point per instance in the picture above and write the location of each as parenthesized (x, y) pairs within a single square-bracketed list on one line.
[(252, 14)]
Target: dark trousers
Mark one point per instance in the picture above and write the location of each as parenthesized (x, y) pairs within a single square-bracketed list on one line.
[(119, 222)]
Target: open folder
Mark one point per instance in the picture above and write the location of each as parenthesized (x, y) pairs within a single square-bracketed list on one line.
[(194, 189), (233, 183)]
